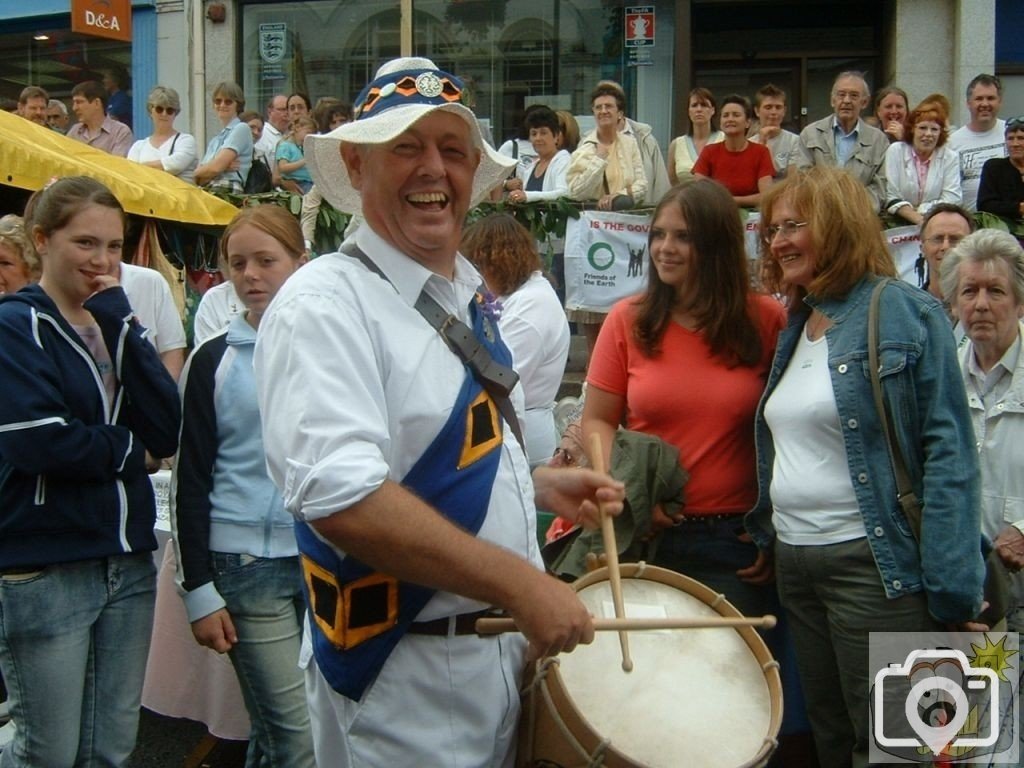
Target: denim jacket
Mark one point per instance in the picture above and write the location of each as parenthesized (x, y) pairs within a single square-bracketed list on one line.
[(927, 404)]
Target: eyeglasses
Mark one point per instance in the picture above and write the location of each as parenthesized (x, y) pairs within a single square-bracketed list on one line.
[(219, 102), (851, 95), (161, 110), (787, 228), (953, 240)]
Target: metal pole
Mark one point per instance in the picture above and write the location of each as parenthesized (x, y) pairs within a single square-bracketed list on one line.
[(406, 28)]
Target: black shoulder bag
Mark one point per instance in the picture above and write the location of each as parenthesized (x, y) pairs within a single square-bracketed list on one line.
[(260, 179)]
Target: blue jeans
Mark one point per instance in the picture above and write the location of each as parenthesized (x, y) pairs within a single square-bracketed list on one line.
[(711, 552), (74, 639), (264, 598)]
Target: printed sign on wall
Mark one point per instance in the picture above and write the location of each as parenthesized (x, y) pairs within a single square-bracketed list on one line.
[(639, 26), (102, 18)]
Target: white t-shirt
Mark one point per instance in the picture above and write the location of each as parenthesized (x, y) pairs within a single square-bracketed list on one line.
[(181, 162), (812, 495), (785, 149), (520, 149), (266, 147), (151, 299), (534, 327), (216, 308), (975, 148)]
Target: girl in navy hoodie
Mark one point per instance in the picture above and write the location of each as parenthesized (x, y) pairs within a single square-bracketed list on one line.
[(86, 404)]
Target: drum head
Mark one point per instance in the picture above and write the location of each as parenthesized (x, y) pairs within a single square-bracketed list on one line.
[(695, 698)]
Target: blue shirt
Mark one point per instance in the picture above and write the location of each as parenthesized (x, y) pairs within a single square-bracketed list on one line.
[(846, 143), (289, 151), (236, 136)]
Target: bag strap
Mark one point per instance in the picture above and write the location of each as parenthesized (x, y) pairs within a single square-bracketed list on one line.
[(173, 143), (904, 488), (497, 379)]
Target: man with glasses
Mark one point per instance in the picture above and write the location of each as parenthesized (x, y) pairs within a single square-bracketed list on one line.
[(842, 139), (982, 138), (273, 127), (942, 229), (89, 103)]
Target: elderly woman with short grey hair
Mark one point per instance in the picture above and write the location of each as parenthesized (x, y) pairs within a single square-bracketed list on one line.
[(165, 148), (983, 280)]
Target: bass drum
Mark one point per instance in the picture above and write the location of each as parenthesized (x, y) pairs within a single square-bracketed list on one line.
[(699, 698)]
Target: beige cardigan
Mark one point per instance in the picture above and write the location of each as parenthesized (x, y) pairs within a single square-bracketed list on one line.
[(586, 170)]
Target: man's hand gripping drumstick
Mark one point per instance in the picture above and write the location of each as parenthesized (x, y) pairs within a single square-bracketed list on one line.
[(548, 611)]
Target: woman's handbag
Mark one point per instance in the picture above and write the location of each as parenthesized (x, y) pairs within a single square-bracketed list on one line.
[(260, 178), (997, 579)]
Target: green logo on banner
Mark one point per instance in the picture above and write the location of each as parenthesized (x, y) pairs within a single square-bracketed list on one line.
[(592, 256)]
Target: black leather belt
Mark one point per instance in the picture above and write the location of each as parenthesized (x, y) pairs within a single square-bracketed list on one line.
[(465, 624), (711, 519)]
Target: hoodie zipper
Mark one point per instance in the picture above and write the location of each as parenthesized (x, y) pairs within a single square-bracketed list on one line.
[(109, 411)]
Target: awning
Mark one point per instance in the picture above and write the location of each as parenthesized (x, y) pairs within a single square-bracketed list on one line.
[(31, 155)]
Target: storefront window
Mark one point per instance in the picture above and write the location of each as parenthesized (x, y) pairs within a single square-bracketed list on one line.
[(511, 54), (55, 58)]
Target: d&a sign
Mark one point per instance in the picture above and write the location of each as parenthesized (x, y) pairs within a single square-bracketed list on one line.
[(102, 18)]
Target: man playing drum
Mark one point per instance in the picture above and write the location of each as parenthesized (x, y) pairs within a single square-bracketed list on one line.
[(413, 498)]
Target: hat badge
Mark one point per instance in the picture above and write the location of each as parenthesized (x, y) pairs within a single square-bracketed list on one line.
[(428, 84)]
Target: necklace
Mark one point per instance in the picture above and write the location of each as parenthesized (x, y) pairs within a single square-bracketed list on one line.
[(816, 325)]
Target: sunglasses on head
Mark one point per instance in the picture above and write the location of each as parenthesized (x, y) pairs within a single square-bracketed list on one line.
[(161, 110), (1015, 123)]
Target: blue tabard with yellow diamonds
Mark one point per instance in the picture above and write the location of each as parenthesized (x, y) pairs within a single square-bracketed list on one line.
[(358, 615)]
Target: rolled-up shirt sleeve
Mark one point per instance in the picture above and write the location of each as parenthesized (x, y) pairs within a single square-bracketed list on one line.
[(320, 391)]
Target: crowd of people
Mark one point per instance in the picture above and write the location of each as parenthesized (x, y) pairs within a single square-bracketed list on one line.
[(908, 158), (102, 112), (347, 503)]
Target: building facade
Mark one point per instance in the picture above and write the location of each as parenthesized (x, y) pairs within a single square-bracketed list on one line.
[(512, 54), (554, 51)]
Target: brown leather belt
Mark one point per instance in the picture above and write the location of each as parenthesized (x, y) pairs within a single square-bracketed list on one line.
[(465, 624)]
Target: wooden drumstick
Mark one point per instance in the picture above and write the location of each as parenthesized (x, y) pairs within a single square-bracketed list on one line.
[(498, 626), (611, 550)]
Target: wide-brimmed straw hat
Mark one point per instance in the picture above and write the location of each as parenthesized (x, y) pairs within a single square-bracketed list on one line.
[(403, 91)]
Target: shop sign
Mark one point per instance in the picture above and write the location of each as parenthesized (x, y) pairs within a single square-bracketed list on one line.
[(273, 50), (639, 26), (102, 18)]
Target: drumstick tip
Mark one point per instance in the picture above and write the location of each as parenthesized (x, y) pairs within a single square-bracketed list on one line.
[(627, 665), (770, 621)]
